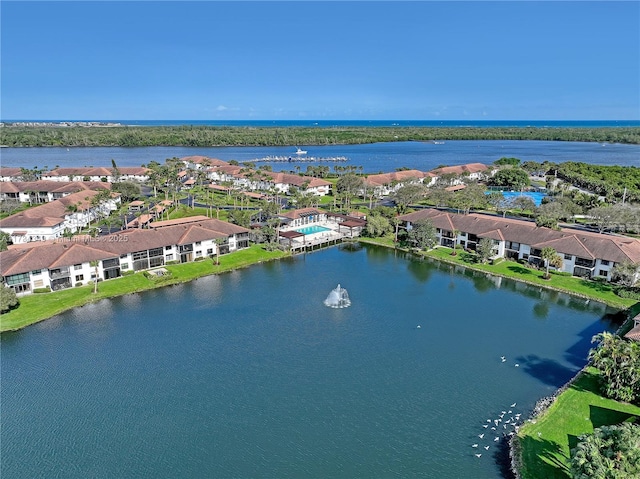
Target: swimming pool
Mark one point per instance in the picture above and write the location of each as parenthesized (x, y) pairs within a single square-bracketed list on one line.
[(536, 196), (309, 230)]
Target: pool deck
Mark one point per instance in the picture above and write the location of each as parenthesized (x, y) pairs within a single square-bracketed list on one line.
[(312, 241)]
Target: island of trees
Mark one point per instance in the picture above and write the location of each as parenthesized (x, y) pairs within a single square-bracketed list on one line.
[(19, 135)]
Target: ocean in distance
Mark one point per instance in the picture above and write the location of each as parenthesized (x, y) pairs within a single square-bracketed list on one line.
[(368, 123)]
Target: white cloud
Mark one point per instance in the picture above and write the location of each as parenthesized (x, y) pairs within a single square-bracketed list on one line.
[(221, 108)]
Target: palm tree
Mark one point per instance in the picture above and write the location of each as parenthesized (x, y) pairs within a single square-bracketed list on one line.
[(551, 258), (94, 264)]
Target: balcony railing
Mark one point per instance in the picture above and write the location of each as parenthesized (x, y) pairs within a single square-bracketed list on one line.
[(585, 263), (59, 273)]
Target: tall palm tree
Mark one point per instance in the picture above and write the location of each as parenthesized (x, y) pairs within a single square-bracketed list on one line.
[(94, 265), (551, 258)]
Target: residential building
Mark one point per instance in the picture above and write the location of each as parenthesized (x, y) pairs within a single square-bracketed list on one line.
[(50, 220), (67, 262), (139, 174), (43, 191), (584, 253)]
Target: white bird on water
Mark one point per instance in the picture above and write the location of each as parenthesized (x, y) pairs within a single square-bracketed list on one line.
[(485, 426), (496, 439), (486, 448), (517, 365), (418, 326), (474, 445), (503, 358), (478, 455), (481, 435), (513, 405)]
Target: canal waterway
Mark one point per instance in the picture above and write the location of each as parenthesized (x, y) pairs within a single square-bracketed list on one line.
[(249, 374), (373, 158)]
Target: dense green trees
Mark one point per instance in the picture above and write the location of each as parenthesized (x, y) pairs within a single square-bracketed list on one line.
[(484, 249), (423, 234), (618, 361), (4, 240), (377, 225), (611, 452), (273, 136), (613, 181), (409, 194), (8, 298), (128, 190), (510, 178)]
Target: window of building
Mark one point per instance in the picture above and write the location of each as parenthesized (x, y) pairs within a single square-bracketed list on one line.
[(77, 266), (36, 272), (604, 262), (124, 256), (169, 257), (80, 277), (210, 251), (568, 257), (198, 254), (198, 243), (167, 248), (603, 272), (124, 266)]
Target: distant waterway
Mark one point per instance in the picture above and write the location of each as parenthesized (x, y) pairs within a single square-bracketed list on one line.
[(249, 374), (373, 158)]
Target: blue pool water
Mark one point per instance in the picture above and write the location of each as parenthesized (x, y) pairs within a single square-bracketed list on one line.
[(308, 230), (536, 196)]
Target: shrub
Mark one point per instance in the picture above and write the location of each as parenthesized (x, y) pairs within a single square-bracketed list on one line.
[(128, 273), (629, 293), (46, 289), (78, 284)]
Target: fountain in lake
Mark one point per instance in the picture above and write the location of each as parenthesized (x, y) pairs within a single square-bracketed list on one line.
[(338, 298)]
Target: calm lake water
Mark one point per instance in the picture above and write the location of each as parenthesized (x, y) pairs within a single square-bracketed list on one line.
[(249, 375), (374, 158)]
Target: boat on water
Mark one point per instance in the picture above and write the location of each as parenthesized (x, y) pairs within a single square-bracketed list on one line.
[(300, 152)]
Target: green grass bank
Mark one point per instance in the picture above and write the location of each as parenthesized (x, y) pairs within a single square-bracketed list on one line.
[(544, 444)]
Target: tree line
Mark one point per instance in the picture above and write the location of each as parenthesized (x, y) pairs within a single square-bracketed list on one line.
[(209, 136)]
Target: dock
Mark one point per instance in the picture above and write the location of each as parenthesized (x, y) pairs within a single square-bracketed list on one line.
[(299, 159)]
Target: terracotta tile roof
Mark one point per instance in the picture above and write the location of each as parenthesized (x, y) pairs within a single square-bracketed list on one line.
[(99, 171), (634, 334), (296, 180), (197, 159), (47, 186), (569, 244), (567, 241), (70, 251), (50, 214), (397, 177), (10, 171), (303, 212), (461, 169), (9, 187)]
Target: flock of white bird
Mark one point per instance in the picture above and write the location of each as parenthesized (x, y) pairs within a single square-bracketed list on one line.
[(509, 426)]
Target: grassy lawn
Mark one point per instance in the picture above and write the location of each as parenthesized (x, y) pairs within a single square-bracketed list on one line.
[(37, 307), (591, 289), (546, 443)]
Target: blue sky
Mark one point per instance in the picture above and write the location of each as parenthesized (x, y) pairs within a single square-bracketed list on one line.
[(243, 60)]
